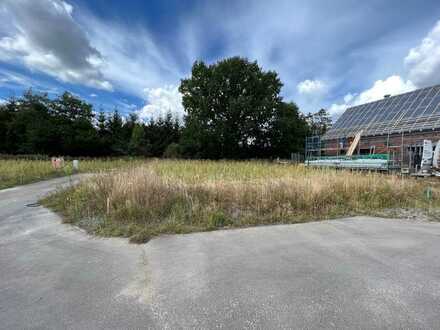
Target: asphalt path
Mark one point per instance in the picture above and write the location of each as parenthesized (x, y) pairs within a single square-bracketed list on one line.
[(358, 273)]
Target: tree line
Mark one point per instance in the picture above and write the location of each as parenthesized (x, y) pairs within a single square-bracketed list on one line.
[(233, 110)]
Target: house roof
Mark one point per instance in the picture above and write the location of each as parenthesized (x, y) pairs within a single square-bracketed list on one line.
[(417, 110)]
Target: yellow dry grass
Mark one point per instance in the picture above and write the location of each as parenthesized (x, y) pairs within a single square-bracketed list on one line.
[(21, 171), (166, 196)]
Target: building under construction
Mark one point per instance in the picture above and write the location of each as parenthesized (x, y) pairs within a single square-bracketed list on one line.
[(385, 134)]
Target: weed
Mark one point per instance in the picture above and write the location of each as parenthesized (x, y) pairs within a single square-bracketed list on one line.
[(176, 196)]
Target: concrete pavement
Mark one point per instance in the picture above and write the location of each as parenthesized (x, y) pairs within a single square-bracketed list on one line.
[(358, 273), (350, 273), (54, 276)]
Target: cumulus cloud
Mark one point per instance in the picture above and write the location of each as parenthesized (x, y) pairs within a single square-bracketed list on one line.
[(312, 87), (423, 61), (390, 86), (44, 37), (91, 52), (162, 101), (423, 69)]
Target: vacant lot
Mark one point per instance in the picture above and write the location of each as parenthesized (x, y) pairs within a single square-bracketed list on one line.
[(183, 196), (21, 171)]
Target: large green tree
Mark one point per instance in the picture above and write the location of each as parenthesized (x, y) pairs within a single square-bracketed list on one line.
[(290, 131), (234, 110), (72, 125)]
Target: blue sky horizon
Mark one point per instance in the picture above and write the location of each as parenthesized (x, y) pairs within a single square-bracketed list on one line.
[(132, 54)]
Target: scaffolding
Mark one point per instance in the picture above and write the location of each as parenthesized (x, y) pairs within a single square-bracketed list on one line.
[(401, 152), (395, 126)]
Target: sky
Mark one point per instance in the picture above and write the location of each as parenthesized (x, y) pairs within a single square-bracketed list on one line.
[(131, 55)]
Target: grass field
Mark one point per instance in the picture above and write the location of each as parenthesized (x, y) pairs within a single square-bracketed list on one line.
[(166, 196), (15, 172)]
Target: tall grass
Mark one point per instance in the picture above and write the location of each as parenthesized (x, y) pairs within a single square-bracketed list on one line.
[(183, 196), (21, 171)]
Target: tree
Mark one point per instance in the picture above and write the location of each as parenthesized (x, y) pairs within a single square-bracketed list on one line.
[(231, 107), (137, 141), (66, 125), (160, 133), (73, 125), (31, 128), (103, 135), (319, 122), (172, 151), (289, 131), (101, 123), (117, 143)]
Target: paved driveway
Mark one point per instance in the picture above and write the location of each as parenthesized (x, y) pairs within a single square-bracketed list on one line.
[(351, 273), (54, 276)]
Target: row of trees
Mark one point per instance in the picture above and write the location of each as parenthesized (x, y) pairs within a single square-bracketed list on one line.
[(233, 110), (35, 124)]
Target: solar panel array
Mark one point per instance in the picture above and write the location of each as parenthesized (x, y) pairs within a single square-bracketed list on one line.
[(417, 110)]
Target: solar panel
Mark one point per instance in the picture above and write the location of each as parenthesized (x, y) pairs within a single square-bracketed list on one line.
[(415, 110)]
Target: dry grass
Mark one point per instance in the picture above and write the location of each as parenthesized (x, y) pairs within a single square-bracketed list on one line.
[(21, 171), (184, 196)]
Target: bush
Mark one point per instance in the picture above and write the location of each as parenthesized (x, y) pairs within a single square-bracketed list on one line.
[(172, 151)]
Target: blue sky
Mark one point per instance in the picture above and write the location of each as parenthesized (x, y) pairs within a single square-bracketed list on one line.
[(132, 54)]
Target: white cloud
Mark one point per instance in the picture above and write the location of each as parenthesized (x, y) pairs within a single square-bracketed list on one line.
[(2, 101), (392, 85), (349, 97), (134, 61), (110, 54), (423, 65), (336, 109), (161, 101), (92, 52), (423, 61), (44, 37), (312, 87)]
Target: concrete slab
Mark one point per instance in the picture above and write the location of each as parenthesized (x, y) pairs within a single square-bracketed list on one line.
[(353, 273)]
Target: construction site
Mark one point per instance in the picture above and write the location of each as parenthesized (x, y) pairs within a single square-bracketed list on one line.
[(396, 133)]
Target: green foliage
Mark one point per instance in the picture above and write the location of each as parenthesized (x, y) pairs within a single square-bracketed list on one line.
[(319, 122), (289, 131), (160, 133), (66, 125), (137, 140), (172, 151), (233, 111)]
